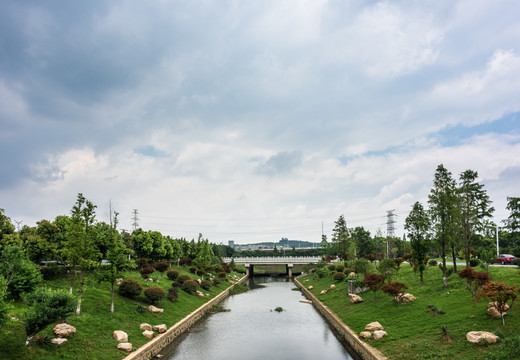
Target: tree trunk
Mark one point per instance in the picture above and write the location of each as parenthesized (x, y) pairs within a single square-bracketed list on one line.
[(444, 274), (27, 340), (112, 297), (72, 276), (80, 292), (453, 255)]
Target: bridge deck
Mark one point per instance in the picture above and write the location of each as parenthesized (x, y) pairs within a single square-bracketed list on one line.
[(271, 260)]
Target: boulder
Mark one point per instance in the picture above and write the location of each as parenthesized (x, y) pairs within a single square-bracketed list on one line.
[(493, 304), (64, 330), (154, 309), (351, 274), (145, 326), (306, 280), (199, 281), (148, 334), (120, 336), (374, 326), (323, 292), (160, 328), (355, 299), (365, 335), (493, 312), (332, 286), (406, 298), (59, 341), (481, 337), (311, 287), (379, 334), (126, 346)]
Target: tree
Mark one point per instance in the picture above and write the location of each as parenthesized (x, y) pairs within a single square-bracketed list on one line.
[(342, 243), (4, 306), (500, 293), (364, 242), (395, 290), (80, 250), (417, 224), (46, 306), (474, 208), (204, 252), (443, 213), (513, 220), (474, 281), (6, 228), (374, 282), (20, 273)]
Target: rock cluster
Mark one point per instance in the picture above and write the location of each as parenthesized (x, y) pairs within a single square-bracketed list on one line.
[(404, 298), (374, 329), (62, 332)]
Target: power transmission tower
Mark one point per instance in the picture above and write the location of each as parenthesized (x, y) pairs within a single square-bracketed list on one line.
[(18, 224), (135, 224), (390, 228)]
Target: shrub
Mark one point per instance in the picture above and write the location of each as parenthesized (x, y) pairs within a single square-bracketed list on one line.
[(146, 271), (172, 294), (394, 289), (141, 263), (193, 270), (176, 284), (362, 266), (161, 266), (190, 286), (373, 281), (182, 278), (172, 274), (340, 268), (474, 262), (226, 267), (51, 271), (500, 293), (205, 284), (221, 274), (154, 294), (216, 282), (432, 262), (322, 272), (338, 276), (331, 267), (185, 261), (474, 281), (130, 288)]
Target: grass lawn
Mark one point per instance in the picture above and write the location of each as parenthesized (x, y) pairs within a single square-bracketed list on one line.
[(415, 333), (96, 324)]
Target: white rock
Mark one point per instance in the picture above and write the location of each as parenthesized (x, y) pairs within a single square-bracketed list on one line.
[(154, 309), (365, 334), (311, 287), (160, 328), (355, 299), (374, 326), (148, 334), (379, 334), (484, 336), (120, 336), (64, 330), (332, 286), (59, 341), (145, 326), (126, 346)]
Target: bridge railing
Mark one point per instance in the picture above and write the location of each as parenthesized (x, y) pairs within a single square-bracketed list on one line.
[(275, 260)]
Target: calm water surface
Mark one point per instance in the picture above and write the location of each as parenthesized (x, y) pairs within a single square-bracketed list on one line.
[(253, 330)]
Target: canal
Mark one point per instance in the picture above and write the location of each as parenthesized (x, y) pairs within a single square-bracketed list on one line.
[(252, 329)]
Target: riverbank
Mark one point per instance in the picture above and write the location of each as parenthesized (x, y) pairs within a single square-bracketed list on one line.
[(414, 332), (96, 324)]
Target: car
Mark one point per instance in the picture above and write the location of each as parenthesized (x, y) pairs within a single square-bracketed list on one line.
[(52, 263), (505, 259)]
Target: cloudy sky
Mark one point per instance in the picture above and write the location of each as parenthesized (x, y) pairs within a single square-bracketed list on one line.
[(254, 120)]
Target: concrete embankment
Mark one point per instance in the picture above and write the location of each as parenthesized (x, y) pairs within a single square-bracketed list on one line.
[(154, 347), (361, 348)]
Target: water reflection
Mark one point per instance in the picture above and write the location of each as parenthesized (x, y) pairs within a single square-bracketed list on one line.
[(253, 330)]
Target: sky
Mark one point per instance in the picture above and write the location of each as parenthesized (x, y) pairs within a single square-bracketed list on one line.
[(254, 120)]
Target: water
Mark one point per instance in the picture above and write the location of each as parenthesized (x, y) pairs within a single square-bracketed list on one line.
[(253, 330)]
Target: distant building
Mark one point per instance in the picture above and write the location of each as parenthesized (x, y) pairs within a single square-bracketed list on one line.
[(231, 243)]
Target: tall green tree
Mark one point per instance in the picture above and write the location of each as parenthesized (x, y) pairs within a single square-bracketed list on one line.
[(6, 228), (442, 201), (474, 208), (80, 250), (364, 243), (21, 274), (417, 225), (513, 220), (342, 242)]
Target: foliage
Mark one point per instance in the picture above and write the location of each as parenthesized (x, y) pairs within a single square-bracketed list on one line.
[(339, 276), (186, 261), (46, 306), (161, 266), (373, 281), (501, 294), (387, 268), (278, 309), (4, 307), (205, 284), (190, 286), (154, 294), (238, 289), (474, 281), (172, 274), (474, 262), (130, 288), (487, 257), (394, 289), (21, 274), (417, 225), (182, 278), (362, 266), (172, 294), (340, 268), (146, 271), (342, 243), (331, 267)]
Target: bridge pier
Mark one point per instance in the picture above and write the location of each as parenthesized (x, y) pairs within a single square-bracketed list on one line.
[(250, 270), (288, 270)]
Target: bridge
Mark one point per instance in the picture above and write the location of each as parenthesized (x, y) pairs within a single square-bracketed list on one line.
[(288, 261)]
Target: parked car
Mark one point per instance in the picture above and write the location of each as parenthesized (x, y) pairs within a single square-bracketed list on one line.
[(505, 259), (52, 263)]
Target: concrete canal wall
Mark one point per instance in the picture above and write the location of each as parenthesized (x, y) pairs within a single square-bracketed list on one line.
[(362, 349)]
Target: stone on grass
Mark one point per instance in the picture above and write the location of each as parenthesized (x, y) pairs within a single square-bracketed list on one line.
[(311, 287), (379, 334), (332, 286), (352, 274), (374, 326), (355, 299), (494, 312), (120, 336), (64, 330), (148, 334), (154, 309), (406, 298), (323, 292), (145, 326), (126, 346), (160, 328), (59, 341), (494, 304), (365, 335), (481, 337)]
